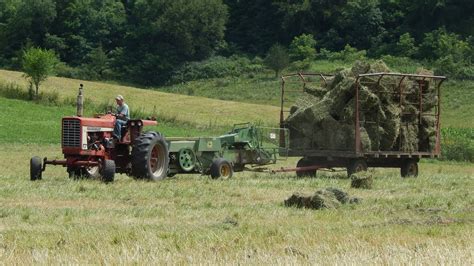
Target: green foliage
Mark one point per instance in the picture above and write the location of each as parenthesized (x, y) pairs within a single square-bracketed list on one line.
[(458, 144), (97, 66), (158, 26), (406, 46), (348, 54), (302, 47), (217, 67), (38, 64), (146, 42), (451, 55), (277, 59)]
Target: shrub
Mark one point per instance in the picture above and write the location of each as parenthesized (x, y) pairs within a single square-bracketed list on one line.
[(302, 48), (216, 67), (406, 46), (454, 69), (277, 59), (14, 91), (349, 54)]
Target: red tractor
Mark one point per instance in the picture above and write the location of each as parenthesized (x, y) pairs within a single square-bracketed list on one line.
[(91, 151)]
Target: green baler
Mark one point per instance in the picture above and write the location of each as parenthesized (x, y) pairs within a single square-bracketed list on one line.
[(220, 156)]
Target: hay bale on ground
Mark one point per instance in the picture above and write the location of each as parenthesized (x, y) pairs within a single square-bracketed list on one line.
[(329, 198), (362, 180)]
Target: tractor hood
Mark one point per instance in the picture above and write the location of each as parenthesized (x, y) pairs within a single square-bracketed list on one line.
[(105, 121)]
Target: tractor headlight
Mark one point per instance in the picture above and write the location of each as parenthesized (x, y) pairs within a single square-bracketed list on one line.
[(139, 123), (132, 124)]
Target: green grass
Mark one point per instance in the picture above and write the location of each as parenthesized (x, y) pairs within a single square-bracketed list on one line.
[(191, 219), (27, 122)]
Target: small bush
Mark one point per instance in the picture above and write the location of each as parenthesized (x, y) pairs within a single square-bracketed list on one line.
[(349, 54), (217, 67), (454, 69), (15, 91)]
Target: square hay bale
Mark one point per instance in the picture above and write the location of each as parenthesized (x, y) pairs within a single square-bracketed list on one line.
[(362, 180)]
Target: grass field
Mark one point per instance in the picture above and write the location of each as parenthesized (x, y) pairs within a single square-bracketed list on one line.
[(35, 123), (195, 110), (223, 102), (191, 219)]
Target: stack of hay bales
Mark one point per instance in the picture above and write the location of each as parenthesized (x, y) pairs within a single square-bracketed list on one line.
[(323, 118)]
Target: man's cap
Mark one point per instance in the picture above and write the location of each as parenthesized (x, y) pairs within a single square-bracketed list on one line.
[(119, 97)]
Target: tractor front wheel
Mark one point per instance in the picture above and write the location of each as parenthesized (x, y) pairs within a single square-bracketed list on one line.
[(108, 171), (150, 158), (221, 168), (36, 168)]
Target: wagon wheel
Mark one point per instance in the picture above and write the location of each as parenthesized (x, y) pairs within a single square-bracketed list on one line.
[(356, 165), (409, 168), (304, 162)]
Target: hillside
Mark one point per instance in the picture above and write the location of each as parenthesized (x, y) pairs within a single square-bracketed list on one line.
[(41, 124), (225, 101), (193, 110)]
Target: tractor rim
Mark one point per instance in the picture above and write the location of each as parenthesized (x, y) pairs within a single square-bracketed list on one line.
[(92, 170), (225, 171), (157, 160)]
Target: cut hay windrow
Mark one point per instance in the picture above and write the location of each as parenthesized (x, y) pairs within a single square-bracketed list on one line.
[(389, 111)]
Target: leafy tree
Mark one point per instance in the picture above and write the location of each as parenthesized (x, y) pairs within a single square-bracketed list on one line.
[(25, 21), (38, 64), (254, 25), (303, 47), (406, 45), (98, 63), (164, 34), (277, 59), (440, 43)]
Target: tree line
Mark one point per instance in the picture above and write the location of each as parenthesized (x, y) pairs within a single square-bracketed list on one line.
[(146, 41)]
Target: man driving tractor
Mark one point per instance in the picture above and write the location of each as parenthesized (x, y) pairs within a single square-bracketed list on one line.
[(123, 115)]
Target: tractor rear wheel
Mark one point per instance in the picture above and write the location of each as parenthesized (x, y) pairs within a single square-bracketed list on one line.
[(108, 171), (221, 168), (305, 162), (150, 158), (36, 168)]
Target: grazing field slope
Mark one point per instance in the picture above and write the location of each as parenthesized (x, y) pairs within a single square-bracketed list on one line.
[(192, 219), (197, 110)]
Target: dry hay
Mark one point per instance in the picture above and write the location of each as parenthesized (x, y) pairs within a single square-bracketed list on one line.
[(323, 118), (362, 180), (329, 198)]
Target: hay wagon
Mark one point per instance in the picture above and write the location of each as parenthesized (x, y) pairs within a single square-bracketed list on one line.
[(413, 130)]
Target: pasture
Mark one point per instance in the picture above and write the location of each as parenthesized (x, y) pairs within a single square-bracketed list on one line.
[(192, 219)]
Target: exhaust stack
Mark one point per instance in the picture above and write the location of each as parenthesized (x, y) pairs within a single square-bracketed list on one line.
[(80, 101)]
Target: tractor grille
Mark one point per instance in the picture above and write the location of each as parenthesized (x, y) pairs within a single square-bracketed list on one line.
[(71, 133)]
